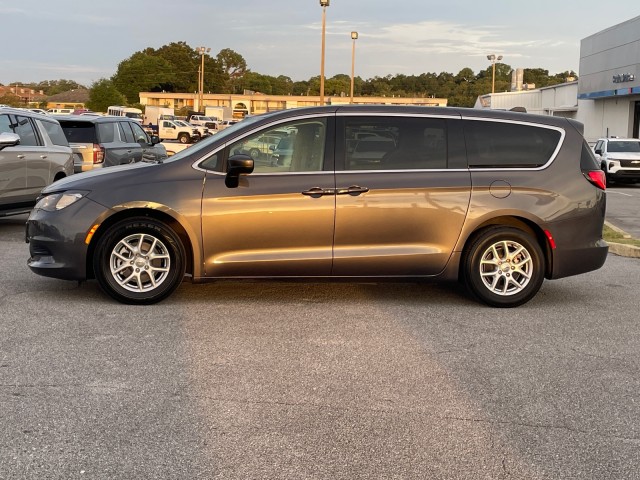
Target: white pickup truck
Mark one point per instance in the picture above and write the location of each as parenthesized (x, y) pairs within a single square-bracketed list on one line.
[(169, 130)]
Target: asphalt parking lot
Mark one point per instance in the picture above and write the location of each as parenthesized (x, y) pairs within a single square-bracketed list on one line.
[(329, 381), (623, 207)]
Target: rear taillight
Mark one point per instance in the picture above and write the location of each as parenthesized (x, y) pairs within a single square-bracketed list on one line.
[(597, 177), (98, 153)]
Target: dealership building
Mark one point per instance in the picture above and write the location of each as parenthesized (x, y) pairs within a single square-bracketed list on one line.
[(609, 83), (606, 97)]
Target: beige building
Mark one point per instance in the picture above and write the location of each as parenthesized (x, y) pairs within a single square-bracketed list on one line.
[(257, 103)]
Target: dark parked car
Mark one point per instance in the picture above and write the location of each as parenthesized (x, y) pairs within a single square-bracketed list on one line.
[(105, 141), (33, 154), (500, 200)]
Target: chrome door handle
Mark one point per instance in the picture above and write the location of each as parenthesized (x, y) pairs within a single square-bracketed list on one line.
[(352, 190), (43, 156), (318, 192), (20, 157)]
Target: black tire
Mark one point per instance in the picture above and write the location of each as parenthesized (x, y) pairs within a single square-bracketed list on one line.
[(503, 267), (184, 138), (146, 279), (254, 153)]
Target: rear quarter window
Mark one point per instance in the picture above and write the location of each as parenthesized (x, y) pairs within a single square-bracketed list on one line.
[(55, 133), (587, 159), (493, 144)]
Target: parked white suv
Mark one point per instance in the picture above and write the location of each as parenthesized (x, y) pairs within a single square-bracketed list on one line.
[(619, 158), (33, 154)]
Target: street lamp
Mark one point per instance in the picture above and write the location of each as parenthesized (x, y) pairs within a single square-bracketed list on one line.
[(354, 37), (324, 4), (201, 51), (492, 58)]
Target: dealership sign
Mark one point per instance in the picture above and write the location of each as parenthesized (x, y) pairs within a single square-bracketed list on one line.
[(624, 77)]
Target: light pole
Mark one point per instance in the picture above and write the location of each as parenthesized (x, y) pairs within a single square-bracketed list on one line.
[(492, 58), (354, 37), (201, 51), (324, 4)]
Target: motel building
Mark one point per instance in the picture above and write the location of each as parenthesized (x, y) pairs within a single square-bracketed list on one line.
[(253, 103)]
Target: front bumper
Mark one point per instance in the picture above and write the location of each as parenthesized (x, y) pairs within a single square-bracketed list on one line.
[(56, 239)]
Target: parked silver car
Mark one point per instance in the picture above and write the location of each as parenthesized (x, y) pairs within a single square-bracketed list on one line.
[(33, 154)]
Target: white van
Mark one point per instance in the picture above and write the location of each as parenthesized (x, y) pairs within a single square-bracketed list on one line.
[(118, 111), (60, 111)]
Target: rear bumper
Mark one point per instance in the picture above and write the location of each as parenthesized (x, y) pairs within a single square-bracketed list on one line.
[(579, 245)]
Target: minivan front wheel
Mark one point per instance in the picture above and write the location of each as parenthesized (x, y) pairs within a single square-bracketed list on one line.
[(504, 267), (139, 261)]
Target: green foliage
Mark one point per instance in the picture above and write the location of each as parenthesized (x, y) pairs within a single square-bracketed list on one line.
[(102, 94), (142, 73), (233, 67), (11, 100), (175, 68), (171, 68)]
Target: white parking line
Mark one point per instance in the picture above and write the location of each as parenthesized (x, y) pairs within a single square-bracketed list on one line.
[(620, 193)]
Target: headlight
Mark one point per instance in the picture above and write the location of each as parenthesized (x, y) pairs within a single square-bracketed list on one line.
[(58, 201)]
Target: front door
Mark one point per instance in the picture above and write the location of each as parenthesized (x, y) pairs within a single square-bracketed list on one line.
[(279, 221)]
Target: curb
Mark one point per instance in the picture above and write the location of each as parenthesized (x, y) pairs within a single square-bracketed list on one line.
[(622, 249)]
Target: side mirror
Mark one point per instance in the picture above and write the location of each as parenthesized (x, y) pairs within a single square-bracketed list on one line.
[(155, 139), (598, 151), (239, 164), (272, 147), (9, 140)]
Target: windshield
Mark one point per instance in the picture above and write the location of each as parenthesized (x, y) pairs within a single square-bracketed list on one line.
[(133, 115), (624, 147)]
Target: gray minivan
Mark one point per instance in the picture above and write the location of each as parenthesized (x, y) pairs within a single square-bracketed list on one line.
[(105, 141), (33, 154), (498, 200)]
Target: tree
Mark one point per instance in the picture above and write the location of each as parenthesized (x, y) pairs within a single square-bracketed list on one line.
[(142, 73), (233, 67), (256, 82), (11, 100), (52, 87), (102, 94), (338, 85)]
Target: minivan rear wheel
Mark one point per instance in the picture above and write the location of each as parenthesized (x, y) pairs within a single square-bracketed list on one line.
[(504, 267), (139, 261)]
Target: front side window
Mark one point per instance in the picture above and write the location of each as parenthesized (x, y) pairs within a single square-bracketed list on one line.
[(291, 147), (598, 146), (395, 143), (138, 133), (493, 144)]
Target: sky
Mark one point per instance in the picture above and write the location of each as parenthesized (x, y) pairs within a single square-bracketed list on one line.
[(85, 40)]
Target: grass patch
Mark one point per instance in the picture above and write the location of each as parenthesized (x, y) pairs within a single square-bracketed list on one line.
[(611, 235)]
